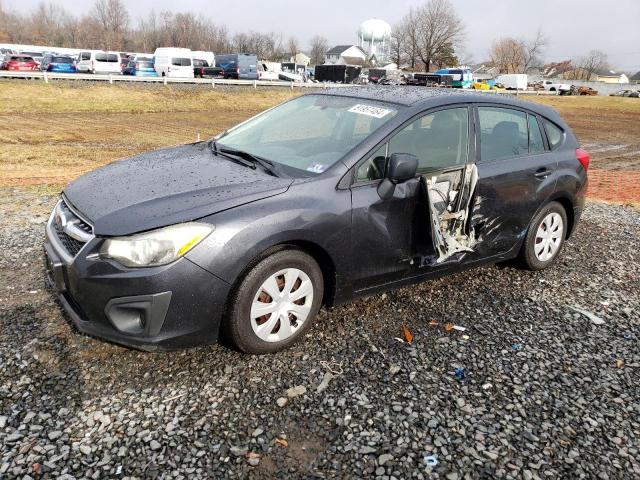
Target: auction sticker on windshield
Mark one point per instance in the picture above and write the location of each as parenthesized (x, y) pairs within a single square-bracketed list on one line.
[(369, 110)]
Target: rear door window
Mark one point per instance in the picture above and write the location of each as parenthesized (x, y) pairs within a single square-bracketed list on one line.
[(504, 133), (536, 144)]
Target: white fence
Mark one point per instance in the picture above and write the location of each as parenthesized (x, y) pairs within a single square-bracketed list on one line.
[(46, 76)]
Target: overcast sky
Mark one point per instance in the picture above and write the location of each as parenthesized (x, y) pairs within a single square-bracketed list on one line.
[(573, 27)]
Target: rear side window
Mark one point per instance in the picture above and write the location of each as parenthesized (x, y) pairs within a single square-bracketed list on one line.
[(107, 57), (85, 56), (536, 145), (504, 133), (554, 133), (181, 62)]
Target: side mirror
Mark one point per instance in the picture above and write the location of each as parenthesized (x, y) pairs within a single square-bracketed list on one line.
[(402, 167)]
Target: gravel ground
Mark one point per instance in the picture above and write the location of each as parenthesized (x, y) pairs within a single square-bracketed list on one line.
[(531, 389)]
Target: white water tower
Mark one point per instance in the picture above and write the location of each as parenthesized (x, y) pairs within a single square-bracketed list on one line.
[(374, 36)]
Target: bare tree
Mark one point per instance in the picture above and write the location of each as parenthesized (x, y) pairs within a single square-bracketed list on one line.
[(318, 47), (508, 55), (397, 44), (112, 18), (532, 50), (591, 63), (438, 25), (410, 27), (293, 47), (4, 20)]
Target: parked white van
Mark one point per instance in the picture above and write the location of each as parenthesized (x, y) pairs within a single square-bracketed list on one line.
[(209, 57), (174, 62), (97, 61)]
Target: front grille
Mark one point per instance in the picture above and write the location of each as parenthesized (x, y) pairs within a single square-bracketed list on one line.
[(65, 224), (71, 245)]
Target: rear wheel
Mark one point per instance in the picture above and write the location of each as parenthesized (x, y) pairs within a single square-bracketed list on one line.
[(275, 303), (545, 237)]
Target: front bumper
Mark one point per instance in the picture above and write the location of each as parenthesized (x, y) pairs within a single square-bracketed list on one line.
[(157, 308)]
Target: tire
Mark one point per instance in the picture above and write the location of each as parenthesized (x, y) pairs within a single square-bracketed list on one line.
[(278, 270), (552, 218)]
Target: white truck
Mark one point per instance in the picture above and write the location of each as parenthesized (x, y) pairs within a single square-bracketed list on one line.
[(561, 88)]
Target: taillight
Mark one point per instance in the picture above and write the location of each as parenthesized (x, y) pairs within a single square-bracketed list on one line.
[(136, 66), (583, 158), (238, 70)]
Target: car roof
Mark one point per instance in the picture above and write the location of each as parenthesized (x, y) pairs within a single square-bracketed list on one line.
[(419, 97)]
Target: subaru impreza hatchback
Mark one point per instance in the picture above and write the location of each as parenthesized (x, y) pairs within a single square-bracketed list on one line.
[(322, 199)]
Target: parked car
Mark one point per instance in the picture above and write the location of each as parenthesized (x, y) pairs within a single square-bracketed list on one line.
[(238, 66), (174, 62), (37, 56), (99, 62), (140, 67), (58, 63), (19, 62), (202, 69), (626, 93), (330, 196)]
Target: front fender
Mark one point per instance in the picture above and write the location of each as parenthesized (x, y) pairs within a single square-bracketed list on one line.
[(241, 234)]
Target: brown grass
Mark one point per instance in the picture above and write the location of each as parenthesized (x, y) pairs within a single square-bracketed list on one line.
[(54, 132)]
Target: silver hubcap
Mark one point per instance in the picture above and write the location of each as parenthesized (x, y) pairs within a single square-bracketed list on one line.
[(281, 305), (549, 237)]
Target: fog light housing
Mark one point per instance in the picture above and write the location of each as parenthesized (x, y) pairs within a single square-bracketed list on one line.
[(139, 315)]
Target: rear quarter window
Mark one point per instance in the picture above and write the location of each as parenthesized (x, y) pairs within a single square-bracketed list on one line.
[(554, 133)]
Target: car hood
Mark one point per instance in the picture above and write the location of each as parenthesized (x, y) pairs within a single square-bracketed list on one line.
[(165, 187)]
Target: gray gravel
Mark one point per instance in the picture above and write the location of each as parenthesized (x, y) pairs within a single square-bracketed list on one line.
[(531, 389)]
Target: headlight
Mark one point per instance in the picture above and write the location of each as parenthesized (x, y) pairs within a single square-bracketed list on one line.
[(157, 247)]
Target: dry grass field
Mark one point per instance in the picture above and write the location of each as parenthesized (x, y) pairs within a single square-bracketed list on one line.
[(54, 132)]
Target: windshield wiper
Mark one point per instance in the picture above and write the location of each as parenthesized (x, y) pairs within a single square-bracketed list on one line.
[(233, 158), (267, 165)]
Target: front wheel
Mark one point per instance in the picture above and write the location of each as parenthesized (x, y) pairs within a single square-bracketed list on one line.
[(275, 303), (545, 237)]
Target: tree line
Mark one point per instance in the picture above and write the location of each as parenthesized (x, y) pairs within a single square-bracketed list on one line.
[(108, 25)]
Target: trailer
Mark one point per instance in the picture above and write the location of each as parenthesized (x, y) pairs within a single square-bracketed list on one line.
[(337, 73)]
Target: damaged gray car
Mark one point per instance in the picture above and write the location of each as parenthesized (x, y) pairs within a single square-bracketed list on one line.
[(317, 201)]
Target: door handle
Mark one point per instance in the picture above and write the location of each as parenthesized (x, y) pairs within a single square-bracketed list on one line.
[(542, 173)]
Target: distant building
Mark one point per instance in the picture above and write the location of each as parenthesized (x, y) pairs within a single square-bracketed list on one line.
[(345, 55), (301, 59), (635, 79), (609, 76), (557, 69), (484, 71)]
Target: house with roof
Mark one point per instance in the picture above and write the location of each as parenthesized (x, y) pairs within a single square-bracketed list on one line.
[(609, 76), (635, 79), (345, 55)]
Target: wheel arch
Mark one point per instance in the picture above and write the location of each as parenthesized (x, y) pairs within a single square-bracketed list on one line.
[(315, 251), (567, 204)]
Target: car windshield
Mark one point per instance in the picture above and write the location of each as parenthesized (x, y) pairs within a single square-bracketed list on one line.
[(310, 133), (106, 57)]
